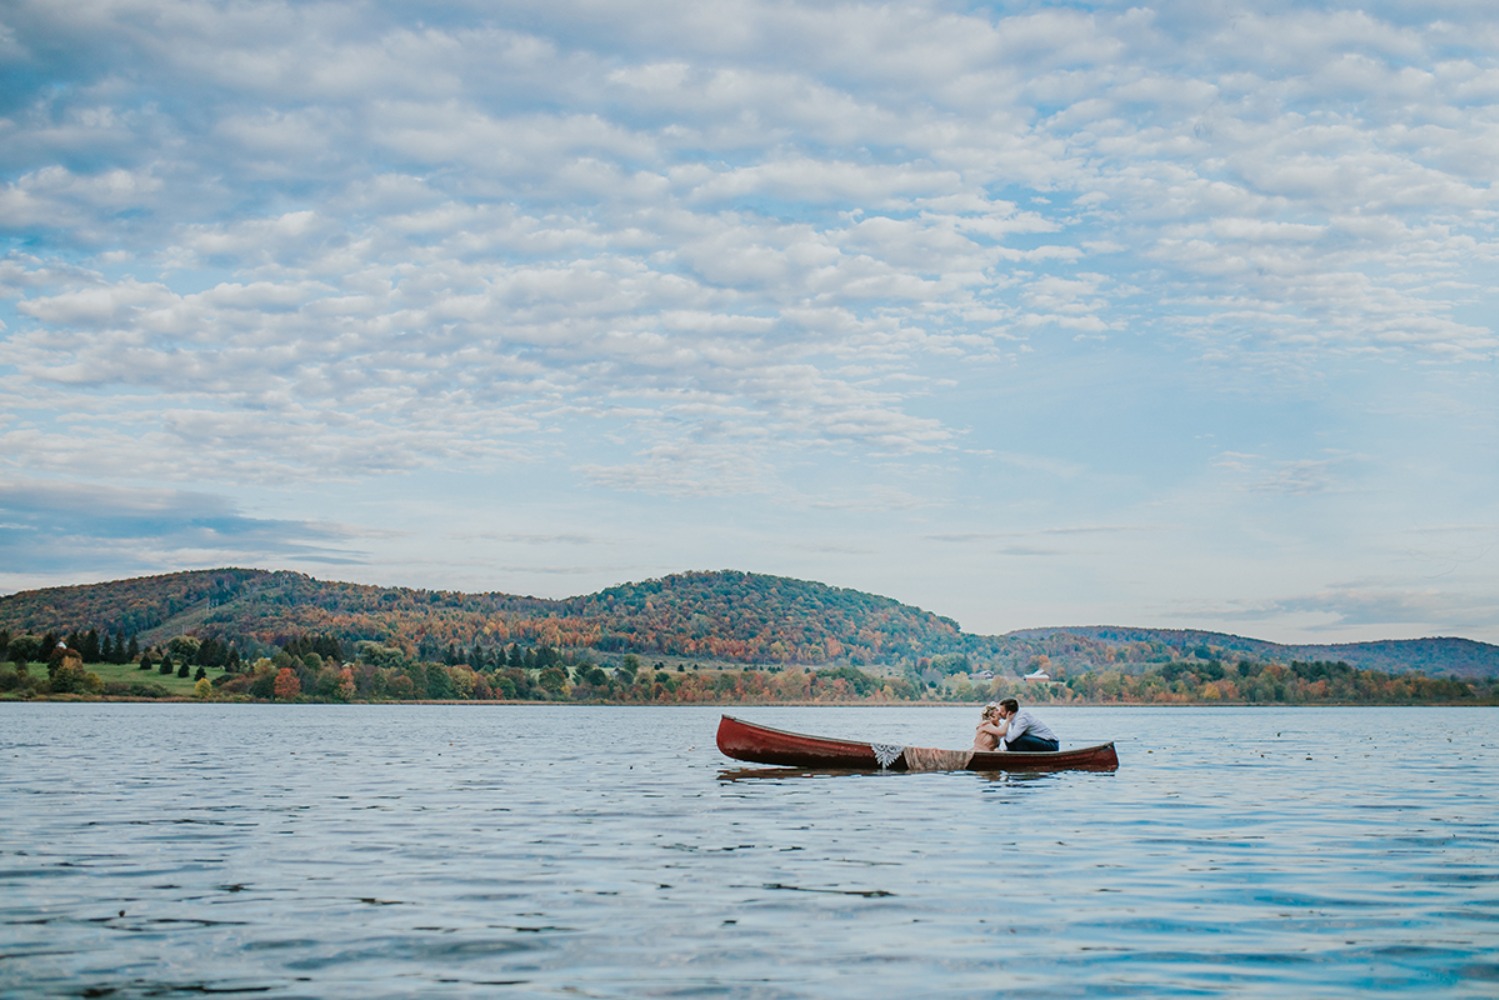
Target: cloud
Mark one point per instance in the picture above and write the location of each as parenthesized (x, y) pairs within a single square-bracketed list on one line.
[(686, 469), (543, 540), (1355, 606), (60, 528)]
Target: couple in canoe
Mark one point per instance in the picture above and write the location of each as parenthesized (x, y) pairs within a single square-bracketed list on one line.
[(1007, 726)]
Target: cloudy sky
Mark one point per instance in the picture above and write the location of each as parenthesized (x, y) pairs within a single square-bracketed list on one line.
[(1176, 313)]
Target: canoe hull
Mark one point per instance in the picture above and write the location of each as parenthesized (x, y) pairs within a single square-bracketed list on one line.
[(763, 745)]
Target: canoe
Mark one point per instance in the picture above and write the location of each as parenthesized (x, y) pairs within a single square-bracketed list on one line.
[(763, 745)]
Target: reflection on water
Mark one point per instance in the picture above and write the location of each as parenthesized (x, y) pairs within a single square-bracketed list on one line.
[(433, 850)]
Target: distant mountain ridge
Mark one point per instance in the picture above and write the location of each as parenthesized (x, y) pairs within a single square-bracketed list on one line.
[(721, 616), (1436, 656)]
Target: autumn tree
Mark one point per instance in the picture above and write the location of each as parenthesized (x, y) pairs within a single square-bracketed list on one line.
[(68, 676), (287, 687)]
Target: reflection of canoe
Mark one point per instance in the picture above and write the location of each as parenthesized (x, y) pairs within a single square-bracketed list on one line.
[(764, 745)]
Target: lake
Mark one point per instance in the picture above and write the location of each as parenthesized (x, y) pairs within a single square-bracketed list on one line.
[(437, 850)]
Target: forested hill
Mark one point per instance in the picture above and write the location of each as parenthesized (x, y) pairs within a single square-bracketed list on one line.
[(750, 617), (129, 607), (727, 617)]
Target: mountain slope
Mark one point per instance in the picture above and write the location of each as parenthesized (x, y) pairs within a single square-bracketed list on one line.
[(131, 607), (724, 616)]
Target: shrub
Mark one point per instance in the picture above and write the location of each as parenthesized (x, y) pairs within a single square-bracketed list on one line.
[(229, 684), (136, 689), (71, 678)]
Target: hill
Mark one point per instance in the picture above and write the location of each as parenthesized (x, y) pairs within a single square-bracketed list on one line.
[(724, 616), (130, 607), (1136, 649), (753, 618)]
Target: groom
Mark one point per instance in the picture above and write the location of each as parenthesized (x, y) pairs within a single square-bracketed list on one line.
[(1023, 732)]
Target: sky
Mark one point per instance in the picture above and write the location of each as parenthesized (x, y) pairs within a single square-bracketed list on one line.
[(1180, 314)]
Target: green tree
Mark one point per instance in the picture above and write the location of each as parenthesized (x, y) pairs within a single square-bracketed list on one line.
[(416, 681), (381, 655), (328, 682), (440, 682), (262, 680), (88, 647), (552, 680), (185, 648), (25, 649), (211, 653)]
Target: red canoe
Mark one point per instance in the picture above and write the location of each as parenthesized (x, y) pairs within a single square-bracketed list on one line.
[(764, 745)]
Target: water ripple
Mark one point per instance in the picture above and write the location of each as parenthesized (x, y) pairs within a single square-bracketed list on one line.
[(169, 850)]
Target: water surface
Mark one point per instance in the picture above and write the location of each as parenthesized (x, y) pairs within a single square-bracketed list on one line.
[(161, 850)]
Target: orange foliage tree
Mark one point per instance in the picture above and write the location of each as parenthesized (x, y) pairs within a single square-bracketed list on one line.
[(287, 687)]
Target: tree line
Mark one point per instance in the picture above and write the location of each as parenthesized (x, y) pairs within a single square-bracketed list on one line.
[(314, 667), (1255, 683)]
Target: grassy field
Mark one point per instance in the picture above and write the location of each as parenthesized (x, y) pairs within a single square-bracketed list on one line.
[(131, 673)]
